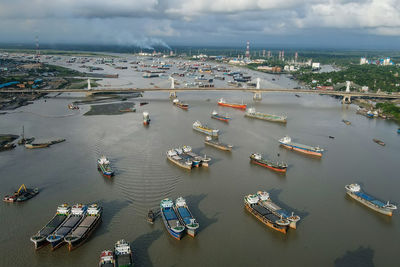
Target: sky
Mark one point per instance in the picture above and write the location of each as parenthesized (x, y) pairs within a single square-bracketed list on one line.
[(148, 23)]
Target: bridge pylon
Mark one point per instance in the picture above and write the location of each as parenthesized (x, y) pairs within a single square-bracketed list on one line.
[(172, 93), (257, 95), (346, 99)]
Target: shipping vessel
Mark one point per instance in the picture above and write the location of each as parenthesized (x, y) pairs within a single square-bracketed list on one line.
[(257, 158), (185, 217), (252, 113), (78, 213), (204, 129), (215, 143), (107, 259), (123, 254), (223, 103), (146, 118), (62, 213), (22, 194), (170, 219), (85, 228), (266, 201), (354, 191), (179, 104), (174, 156), (251, 203), (379, 142), (104, 166), (310, 150), (216, 116)]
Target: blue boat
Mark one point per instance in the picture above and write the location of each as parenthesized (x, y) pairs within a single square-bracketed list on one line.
[(398, 131), (186, 217), (216, 116), (170, 219), (103, 165)]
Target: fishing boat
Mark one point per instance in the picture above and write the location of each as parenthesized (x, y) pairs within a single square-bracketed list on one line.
[(151, 216), (170, 219), (257, 158), (22, 194), (223, 103), (204, 129), (346, 122), (252, 205), (123, 254), (379, 142), (36, 145), (40, 238), (107, 259), (78, 213), (252, 113), (266, 201), (175, 157), (354, 191), (179, 104), (310, 150), (215, 143), (146, 118), (85, 228), (56, 141), (104, 166), (216, 116), (185, 217), (24, 140)]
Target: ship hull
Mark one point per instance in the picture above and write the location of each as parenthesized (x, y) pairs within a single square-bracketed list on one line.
[(74, 244), (208, 132), (191, 232), (302, 150), (174, 234), (224, 119), (104, 172), (221, 147), (56, 243), (180, 164), (266, 222), (40, 243), (281, 170), (237, 106), (265, 118), (383, 211)]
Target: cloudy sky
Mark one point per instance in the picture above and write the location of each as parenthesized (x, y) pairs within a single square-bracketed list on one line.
[(304, 23)]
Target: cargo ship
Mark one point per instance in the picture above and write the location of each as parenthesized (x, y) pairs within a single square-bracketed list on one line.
[(379, 142), (252, 205), (175, 157), (123, 254), (107, 259), (354, 191), (170, 219), (78, 213), (257, 158), (310, 150), (185, 217), (216, 116), (215, 143), (252, 113), (22, 194), (85, 228), (223, 103), (204, 129), (103, 165), (266, 201), (146, 118), (179, 104), (62, 213)]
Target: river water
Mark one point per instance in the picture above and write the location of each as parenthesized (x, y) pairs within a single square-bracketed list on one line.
[(334, 230)]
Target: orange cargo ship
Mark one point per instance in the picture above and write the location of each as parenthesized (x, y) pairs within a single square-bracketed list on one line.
[(223, 103)]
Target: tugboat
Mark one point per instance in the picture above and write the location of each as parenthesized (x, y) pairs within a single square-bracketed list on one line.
[(185, 217), (216, 116), (62, 214), (103, 165), (22, 194), (151, 216), (223, 103), (310, 150), (170, 219), (211, 142), (252, 113), (257, 158), (146, 118), (204, 129), (179, 104), (24, 140), (84, 229), (123, 254), (379, 142), (354, 191), (107, 259)]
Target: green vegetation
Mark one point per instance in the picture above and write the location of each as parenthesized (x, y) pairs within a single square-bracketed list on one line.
[(391, 109)]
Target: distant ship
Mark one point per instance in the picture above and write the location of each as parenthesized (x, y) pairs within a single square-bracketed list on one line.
[(379, 142), (84, 229), (150, 75), (22, 194), (354, 191), (185, 158), (179, 104), (185, 216), (266, 201), (170, 219), (146, 118), (204, 129), (223, 103), (252, 113), (107, 259), (62, 213), (103, 165), (215, 143), (346, 122), (257, 158), (216, 116), (123, 254), (311, 150)]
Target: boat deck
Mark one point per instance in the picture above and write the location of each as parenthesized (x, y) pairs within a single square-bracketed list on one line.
[(52, 225), (301, 146), (370, 199), (84, 226), (264, 212), (170, 216), (67, 226), (185, 214)]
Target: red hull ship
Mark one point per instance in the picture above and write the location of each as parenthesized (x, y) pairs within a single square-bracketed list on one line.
[(223, 103)]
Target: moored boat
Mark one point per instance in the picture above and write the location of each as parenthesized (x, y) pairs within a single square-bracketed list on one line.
[(85, 228), (107, 259), (24, 140), (36, 145), (185, 217), (310, 150), (223, 103), (146, 118), (179, 104), (346, 122), (354, 191), (252, 113), (104, 166), (219, 117), (379, 142), (198, 126), (62, 213), (175, 157), (257, 158), (123, 254), (170, 219), (22, 194), (72, 106), (151, 216), (215, 143)]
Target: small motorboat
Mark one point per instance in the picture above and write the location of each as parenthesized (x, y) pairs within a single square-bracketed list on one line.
[(331, 137), (151, 216), (379, 142)]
